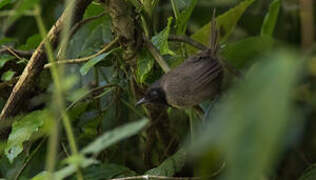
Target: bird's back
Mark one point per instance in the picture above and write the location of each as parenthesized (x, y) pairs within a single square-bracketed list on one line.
[(193, 81)]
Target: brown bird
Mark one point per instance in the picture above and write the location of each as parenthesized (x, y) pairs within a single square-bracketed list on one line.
[(197, 79)]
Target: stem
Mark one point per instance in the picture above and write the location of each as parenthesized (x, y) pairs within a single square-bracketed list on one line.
[(58, 87), (175, 9)]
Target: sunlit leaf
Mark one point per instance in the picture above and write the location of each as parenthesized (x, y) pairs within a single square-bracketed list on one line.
[(7, 76), (22, 130), (271, 18), (161, 40), (114, 136), (184, 16), (145, 62), (4, 59)]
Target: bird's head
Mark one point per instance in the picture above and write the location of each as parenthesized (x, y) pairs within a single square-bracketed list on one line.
[(154, 95)]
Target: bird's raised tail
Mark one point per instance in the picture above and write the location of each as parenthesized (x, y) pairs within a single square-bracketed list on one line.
[(213, 36)]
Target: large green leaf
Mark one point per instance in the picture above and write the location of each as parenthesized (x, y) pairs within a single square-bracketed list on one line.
[(251, 122), (161, 40), (184, 16), (244, 51), (4, 2), (7, 76), (32, 42), (4, 59), (114, 136), (91, 63), (271, 18), (225, 23), (22, 130), (171, 165), (145, 62)]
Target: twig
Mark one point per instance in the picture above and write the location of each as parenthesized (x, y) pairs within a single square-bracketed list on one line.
[(77, 26), (12, 52), (187, 40), (84, 59), (16, 52), (153, 50), (66, 61), (148, 177)]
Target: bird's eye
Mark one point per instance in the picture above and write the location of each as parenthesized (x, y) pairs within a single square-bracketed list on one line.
[(154, 93)]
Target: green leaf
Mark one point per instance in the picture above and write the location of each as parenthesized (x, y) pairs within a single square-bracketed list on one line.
[(66, 171), (4, 2), (244, 51), (184, 16), (145, 63), (7, 76), (91, 63), (171, 165), (114, 136), (4, 59), (309, 173), (7, 40), (255, 116), (225, 23), (31, 42), (21, 8), (271, 18), (22, 130), (161, 40)]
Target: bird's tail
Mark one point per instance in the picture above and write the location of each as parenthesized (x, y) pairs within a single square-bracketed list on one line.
[(213, 36)]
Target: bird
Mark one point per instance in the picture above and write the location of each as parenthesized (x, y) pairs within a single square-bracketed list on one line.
[(197, 79)]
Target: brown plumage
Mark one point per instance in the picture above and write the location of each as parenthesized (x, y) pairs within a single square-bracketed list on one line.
[(197, 79)]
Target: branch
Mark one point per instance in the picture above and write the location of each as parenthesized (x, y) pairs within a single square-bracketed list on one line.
[(153, 50), (35, 65), (16, 52), (77, 26), (187, 40), (107, 47)]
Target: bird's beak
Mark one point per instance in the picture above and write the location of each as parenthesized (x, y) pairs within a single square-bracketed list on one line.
[(141, 101)]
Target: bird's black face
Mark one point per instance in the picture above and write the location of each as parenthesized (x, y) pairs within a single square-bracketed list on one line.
[(153, 96)]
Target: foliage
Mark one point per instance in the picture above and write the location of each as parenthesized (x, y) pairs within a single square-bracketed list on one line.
[(78, 119)]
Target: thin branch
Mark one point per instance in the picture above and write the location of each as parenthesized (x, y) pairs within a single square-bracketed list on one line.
[(153, 50), (107, 47), (84, 59), (12, 52), (16, 52), (187, 40), (77, 26)]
